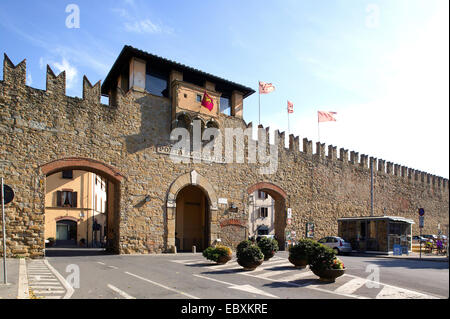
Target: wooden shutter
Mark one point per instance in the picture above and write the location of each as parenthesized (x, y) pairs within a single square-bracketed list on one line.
[(74, 199), (58, 198)]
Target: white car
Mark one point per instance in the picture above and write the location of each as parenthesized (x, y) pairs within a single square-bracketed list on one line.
[(338, 244)]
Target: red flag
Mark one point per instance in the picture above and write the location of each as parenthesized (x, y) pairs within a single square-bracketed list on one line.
[(290, 107), (265, 88), (207, 101), (326, 116)]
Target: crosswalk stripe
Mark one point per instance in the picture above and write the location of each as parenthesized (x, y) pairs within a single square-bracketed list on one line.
[(274, 273), (389, 292), (49, 291), (297, 276), (351, 286), (278, 263)]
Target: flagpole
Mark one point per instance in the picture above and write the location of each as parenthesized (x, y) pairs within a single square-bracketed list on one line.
[(318, 126), (259, 104), (289, 130)]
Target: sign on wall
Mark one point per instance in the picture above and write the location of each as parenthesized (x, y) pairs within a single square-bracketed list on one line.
[(309, 230), (289, 213)]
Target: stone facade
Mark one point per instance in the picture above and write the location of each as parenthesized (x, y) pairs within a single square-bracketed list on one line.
[(45, 131)]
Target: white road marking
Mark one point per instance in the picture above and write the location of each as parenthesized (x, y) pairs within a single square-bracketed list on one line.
[(120, 292), (399, 293), (351, 286), (99, 262), (246, 288), (297, 276), (113, 267), (162, 286), (391, 290), (69, 289)]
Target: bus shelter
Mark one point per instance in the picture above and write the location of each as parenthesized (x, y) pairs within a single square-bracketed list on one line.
[(380, 234)]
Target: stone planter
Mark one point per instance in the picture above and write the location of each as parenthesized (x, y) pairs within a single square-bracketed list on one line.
[(223, 260), (328, 275), (249, 265), (298, 262)]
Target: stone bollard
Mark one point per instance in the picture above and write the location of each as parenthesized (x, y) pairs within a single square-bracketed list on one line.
[(194, 249), (174, 249)]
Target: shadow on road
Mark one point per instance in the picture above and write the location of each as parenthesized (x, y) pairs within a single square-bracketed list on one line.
[(74, 252)]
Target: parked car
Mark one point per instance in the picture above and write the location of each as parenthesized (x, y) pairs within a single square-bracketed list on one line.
[(432, 237), (338, 244), (419, 238)]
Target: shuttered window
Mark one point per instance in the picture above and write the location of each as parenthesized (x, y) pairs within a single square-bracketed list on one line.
[(66, 199)]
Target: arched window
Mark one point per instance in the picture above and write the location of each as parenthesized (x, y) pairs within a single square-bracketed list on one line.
[(183, 121)]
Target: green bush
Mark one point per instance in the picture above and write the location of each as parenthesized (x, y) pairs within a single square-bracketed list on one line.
[(304, 249), (214, 253), (251, 254), (323, 257), (242, 246), (268, 246)]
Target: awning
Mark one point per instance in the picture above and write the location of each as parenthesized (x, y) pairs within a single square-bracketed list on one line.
[(391, 218)]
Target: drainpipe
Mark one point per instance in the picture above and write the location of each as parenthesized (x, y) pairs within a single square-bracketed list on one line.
[(371, 188)]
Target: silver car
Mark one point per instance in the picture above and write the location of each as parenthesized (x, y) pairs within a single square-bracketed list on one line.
[(338, 244)]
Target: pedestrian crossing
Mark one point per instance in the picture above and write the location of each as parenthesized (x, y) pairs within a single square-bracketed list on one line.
[(42, 282), (279, 269)]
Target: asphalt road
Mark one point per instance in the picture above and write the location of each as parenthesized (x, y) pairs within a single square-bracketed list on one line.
[(190, 276)]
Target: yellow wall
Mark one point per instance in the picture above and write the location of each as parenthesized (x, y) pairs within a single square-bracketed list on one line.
[(82, 183)]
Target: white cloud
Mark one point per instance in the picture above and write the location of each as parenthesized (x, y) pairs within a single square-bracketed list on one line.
[(71, 72), (143, 26)]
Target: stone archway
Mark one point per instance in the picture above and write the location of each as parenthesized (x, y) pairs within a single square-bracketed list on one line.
[(114, 182), (280, 197), (195, 179)]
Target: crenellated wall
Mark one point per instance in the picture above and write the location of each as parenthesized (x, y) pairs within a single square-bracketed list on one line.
[(38, 127)]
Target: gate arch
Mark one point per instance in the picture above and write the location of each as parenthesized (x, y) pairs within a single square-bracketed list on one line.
[(107, 171), (194, 179)]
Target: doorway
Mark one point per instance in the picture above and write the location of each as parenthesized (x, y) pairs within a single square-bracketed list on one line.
[(192, 219), (66, 232)]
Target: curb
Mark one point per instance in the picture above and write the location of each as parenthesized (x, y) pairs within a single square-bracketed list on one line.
[(23, 290)]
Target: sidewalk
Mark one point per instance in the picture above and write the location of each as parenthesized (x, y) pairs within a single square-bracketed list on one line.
[(9, 291), (411, 256)]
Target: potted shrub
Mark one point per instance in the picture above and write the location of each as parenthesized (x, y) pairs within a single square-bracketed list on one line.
[(268, 246), (325, 264), (219, 254), (299, 254), (249, 256)]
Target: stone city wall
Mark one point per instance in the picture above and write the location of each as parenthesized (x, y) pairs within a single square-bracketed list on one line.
[(121, 142)]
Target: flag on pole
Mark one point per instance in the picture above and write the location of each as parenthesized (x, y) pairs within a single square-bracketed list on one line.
[(265, 88), (326, 116), (207, 101), (290, 107)]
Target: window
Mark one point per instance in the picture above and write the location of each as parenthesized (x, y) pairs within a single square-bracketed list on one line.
[(199, 98), (67, 174), (225, 107), (263, 212), (66, 199), (156, 82), (262, 195)]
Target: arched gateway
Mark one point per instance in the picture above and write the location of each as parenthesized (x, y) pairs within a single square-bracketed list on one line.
[(280, 198), (191, 212), (66, 226)]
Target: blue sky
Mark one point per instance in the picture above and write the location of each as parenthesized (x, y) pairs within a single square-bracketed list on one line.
[(382, 65)]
